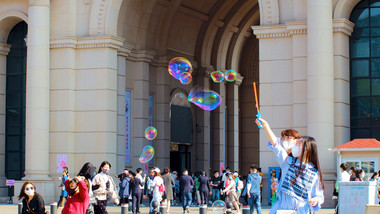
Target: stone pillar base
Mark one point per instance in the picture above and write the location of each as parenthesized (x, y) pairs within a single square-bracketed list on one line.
[(45, 188)]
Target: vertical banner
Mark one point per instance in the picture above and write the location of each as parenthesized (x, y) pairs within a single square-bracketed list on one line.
[(127, 127), (221, 167), (61, 162), (150, 123)]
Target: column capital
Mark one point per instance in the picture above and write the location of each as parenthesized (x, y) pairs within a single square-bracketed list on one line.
[(141, 56), (343, 25), (4, 49), (125, 50), (43, 3), (239, 79), (205, 70)]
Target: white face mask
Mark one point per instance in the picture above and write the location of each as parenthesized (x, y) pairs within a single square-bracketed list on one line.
[(29, 192), (287, 145), (296, 151)]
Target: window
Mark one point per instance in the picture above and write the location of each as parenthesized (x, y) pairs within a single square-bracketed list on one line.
[(368, 165), (15, 103), (365, 70)]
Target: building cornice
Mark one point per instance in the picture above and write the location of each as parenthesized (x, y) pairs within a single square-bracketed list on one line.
[(343, 25), (125, 50), (43, 3), (272, 31), (4, 48), (86, 42), (298, 28)]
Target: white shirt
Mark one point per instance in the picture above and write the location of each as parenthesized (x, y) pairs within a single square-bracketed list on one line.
[(157, 181), (344, 176)]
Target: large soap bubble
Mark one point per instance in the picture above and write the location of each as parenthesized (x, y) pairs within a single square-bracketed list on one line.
[(150, 133), (178, 66), (219, 206), (205, 99), (147, 154), (230, 75), (217, 76)]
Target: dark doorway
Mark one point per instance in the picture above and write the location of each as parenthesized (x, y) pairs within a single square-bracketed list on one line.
[(181, 129), (15, 103), (181, 159)]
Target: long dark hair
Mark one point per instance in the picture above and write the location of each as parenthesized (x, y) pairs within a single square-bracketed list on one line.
[(103, 164), (310, 146), (373, 175), (22, 191), (87, 170)]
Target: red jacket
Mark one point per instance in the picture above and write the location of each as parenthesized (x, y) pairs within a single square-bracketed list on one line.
[(79, 202)]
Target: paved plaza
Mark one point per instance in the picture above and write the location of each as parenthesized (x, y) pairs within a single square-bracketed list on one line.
[(12, 209)]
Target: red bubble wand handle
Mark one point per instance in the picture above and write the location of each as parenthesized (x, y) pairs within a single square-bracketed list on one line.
[(258, 115)]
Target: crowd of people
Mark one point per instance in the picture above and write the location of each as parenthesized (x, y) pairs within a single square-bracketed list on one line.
[(300, 188)]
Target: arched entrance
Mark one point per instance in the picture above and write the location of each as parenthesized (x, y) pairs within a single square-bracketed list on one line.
[(15, 103)]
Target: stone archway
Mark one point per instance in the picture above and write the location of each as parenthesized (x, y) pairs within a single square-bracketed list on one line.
[(344, 7)]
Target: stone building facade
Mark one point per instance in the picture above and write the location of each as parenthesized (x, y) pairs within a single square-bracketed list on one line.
[(76, 62)]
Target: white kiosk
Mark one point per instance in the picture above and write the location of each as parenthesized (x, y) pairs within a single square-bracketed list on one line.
[(355, 195)]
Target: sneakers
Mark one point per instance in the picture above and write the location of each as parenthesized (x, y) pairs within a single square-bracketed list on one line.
[(187, 210), (334, 197)]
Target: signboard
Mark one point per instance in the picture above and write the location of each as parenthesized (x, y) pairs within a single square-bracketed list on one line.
[(127, 127), (274, 179), (61, 162), (10, 182)]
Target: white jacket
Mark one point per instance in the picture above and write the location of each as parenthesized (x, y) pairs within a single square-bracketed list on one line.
[(100, 193)]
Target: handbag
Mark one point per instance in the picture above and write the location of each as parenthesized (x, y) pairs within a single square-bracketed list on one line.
[(295, 210)]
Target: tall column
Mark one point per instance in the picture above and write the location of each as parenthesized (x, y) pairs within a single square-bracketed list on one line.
[(203, 122), (4, 50), (121, 129), (233, 123), (62, 96), (37, 91), (320, 81), (162, 121), (219, 128), (138, 68)]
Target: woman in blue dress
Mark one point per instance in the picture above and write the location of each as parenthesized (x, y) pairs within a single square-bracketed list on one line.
[(301, 186)]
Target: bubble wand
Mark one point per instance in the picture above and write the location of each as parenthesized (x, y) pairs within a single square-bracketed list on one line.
[(258, 115)]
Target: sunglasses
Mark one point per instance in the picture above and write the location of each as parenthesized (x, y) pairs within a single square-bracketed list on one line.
[(31, 188)]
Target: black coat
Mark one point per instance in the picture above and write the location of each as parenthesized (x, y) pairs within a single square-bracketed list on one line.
[(204, 184), (37, 205)]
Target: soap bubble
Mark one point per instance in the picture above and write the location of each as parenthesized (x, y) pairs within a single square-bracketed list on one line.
[(219, 206), (185, 78), (205, 99), (217, 76), (230, 75), (147, 154), (150, 133), (178, 66)]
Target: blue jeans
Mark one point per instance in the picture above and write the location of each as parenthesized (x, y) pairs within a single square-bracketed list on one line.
[(215, 194), (186, 199), (254, 201)]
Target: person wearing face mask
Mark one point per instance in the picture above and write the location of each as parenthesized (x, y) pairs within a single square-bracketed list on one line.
[(107, 188), (230, 191), (288, 139), (79, 199), (32, 202), (301, 185), (215, 183)]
